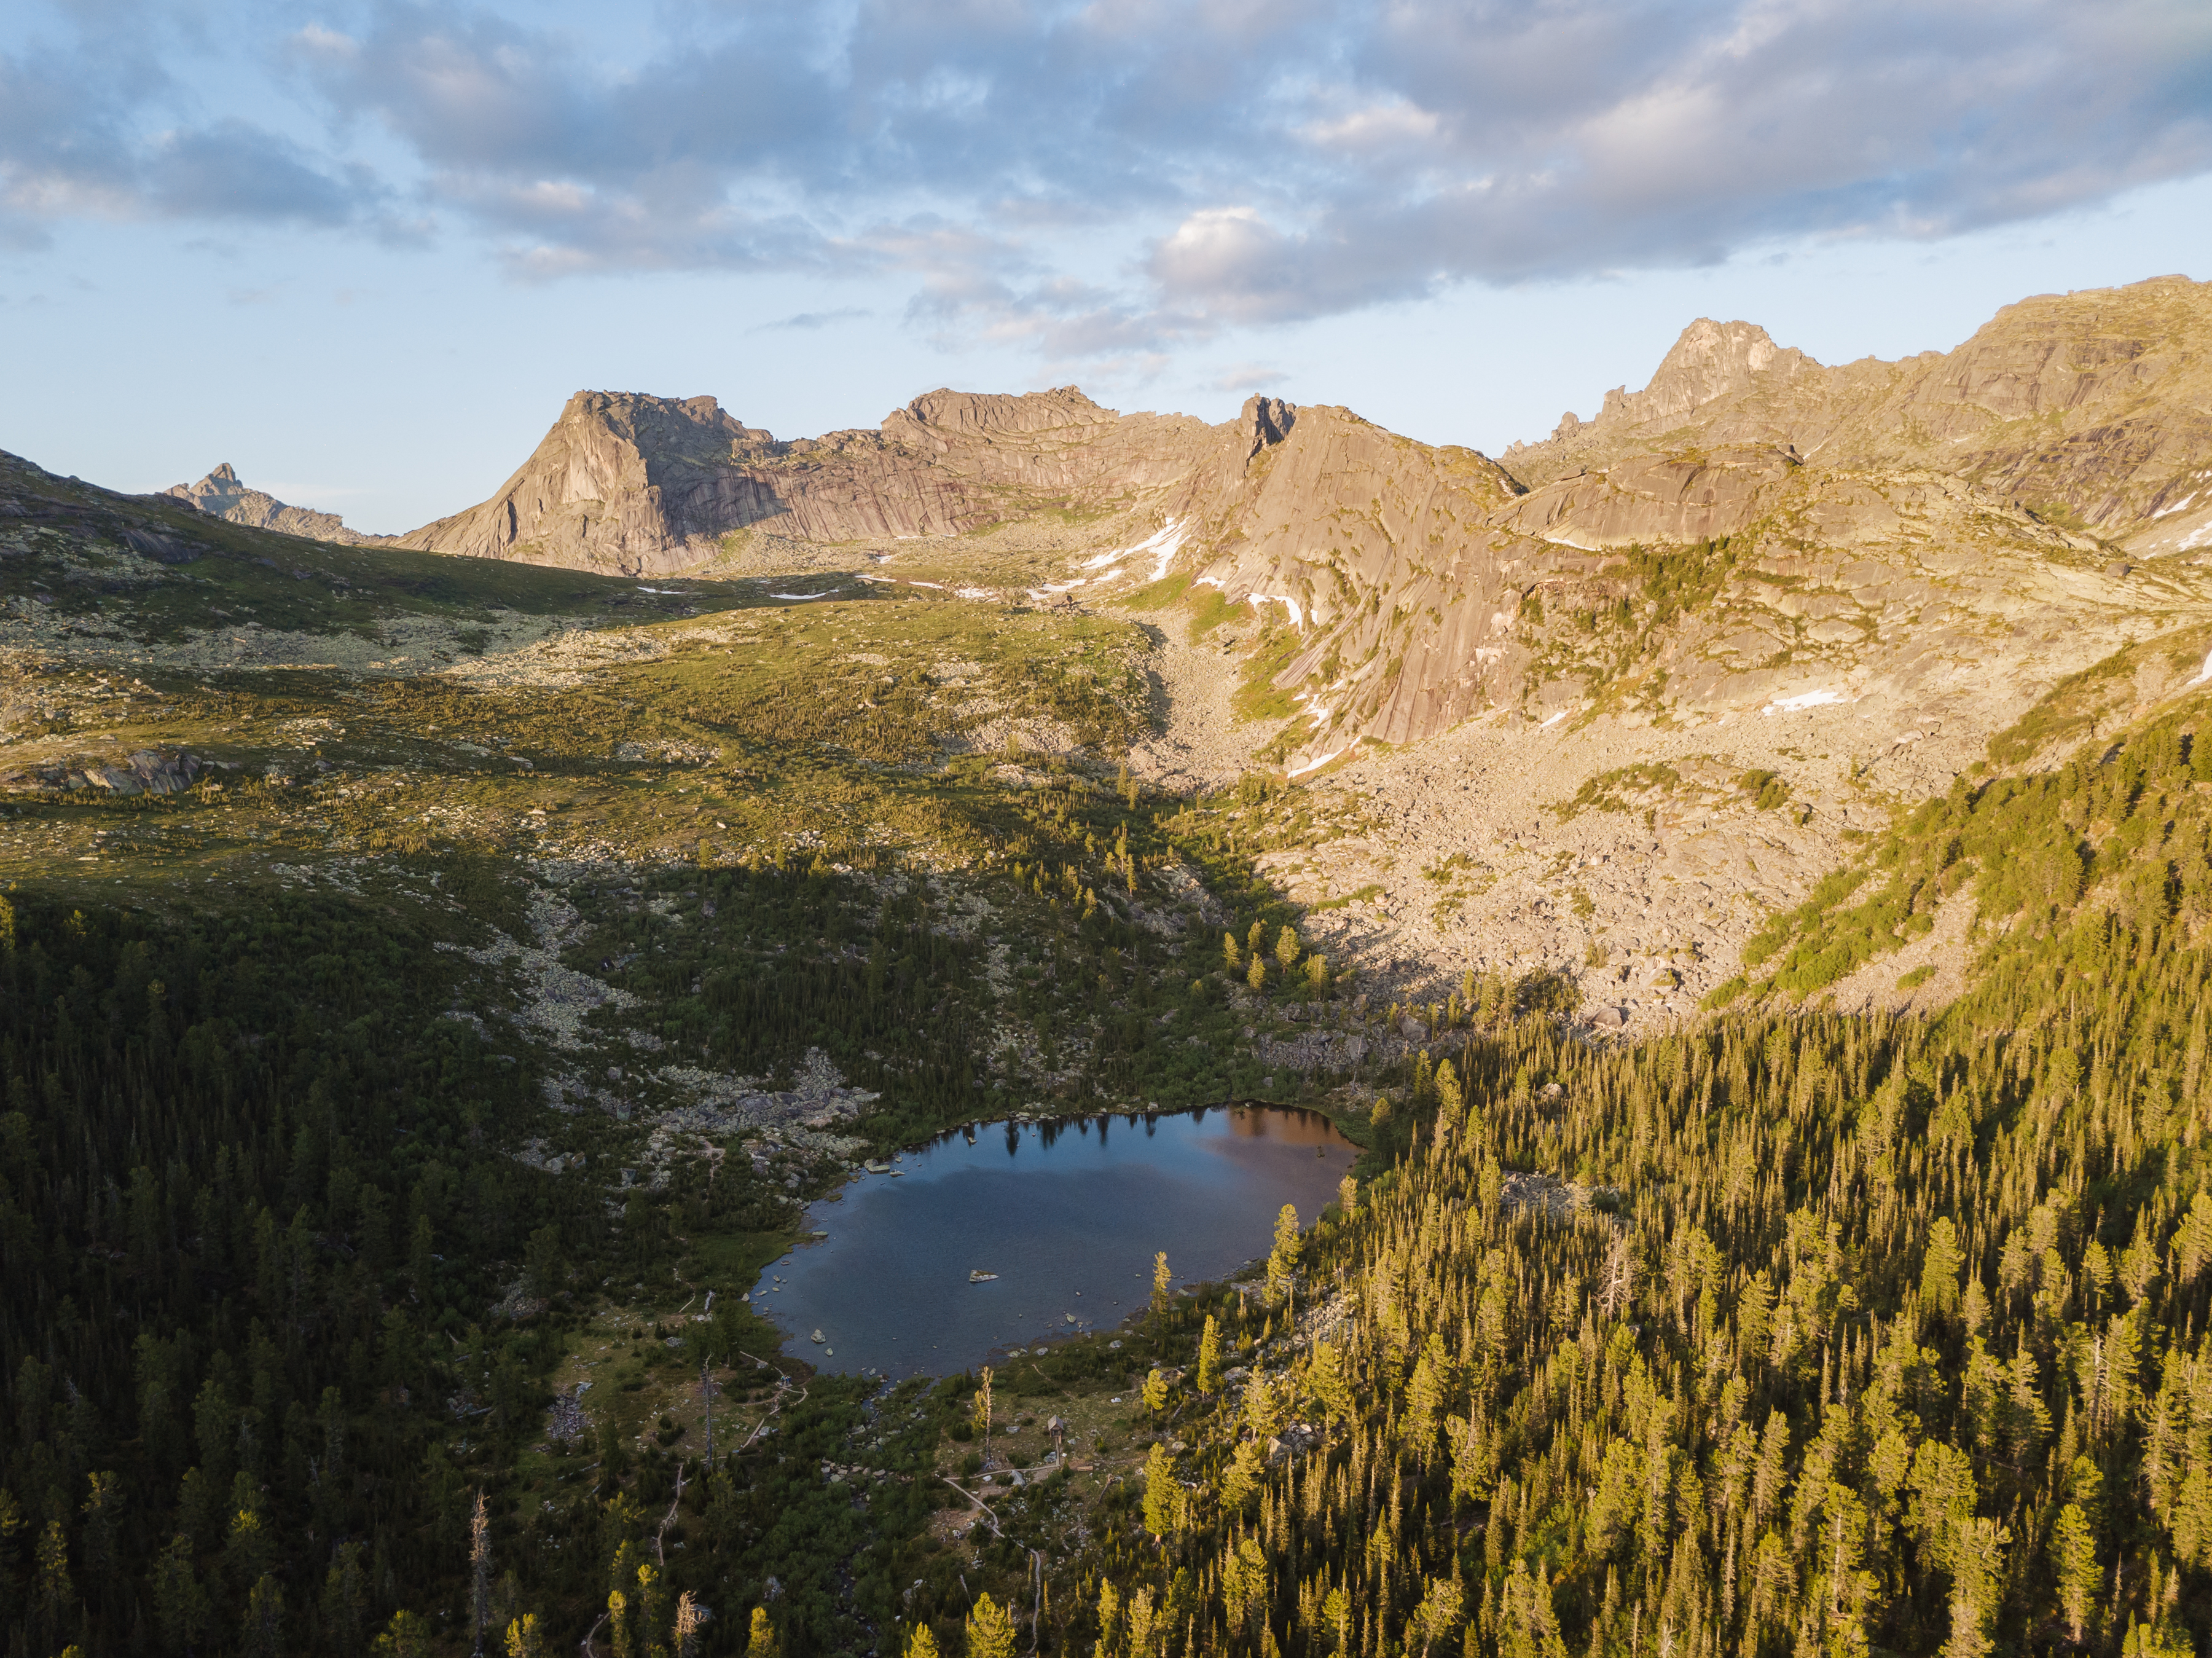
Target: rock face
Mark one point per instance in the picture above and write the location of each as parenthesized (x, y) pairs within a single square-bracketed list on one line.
[(2094, 408), (1754, 531), (221, 495), (645, 485), (1750, 530)]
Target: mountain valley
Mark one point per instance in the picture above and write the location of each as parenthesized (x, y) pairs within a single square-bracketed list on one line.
[(1713, 860)]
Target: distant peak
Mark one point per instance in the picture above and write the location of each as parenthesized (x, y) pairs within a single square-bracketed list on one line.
[(1708, 359), (223, 473)]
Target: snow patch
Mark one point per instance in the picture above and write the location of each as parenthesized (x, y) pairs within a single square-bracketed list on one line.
[(1319, 761), (1161, 545), (1805, 700)]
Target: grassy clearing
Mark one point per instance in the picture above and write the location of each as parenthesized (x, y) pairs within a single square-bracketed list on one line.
[(1158, 596)]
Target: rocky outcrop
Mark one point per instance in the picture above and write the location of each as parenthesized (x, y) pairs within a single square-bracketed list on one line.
[(221, 495), (150, 771), (1653, 498), (2093, 409)]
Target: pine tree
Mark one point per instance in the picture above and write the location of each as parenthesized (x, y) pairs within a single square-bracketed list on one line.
[(408, 1636), (2074, 1552), (181, 1602), (990, 1631), (760, 1639), (1939, 1268), (1209, 1356), (1161, 1493), (1141, 1623), (979, 1412), (1283, 1258), (479, 1571)]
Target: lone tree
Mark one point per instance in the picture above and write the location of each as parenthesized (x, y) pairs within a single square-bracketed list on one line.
[(1283, 1258), (979, 1410), (1156, 1391), (990, 1630)]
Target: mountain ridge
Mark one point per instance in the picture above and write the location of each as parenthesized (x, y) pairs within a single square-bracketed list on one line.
[(2067, 428), (222, 494)]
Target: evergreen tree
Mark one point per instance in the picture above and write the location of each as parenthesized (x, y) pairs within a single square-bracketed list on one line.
[(990, 1631)]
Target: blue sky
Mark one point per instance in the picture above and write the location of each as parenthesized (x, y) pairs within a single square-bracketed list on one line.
[(364, 252)]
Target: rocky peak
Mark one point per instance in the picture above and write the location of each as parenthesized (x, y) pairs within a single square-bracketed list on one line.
[(1709, 361), (936, 416), (222, 493), (1267, 420)]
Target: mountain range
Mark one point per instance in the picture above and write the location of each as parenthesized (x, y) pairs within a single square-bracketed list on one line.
[(2028, 499)]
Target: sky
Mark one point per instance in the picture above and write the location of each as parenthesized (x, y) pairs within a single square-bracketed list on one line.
[(364, 252)]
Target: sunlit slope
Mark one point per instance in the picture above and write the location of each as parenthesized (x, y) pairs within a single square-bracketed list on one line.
[(1787, 1333)]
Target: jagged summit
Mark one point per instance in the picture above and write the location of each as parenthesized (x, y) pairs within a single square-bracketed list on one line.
[(647, 485), (222, 494), (1708, 360), (2091, 405)]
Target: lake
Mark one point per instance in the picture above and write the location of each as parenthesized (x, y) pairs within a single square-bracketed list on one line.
[(1068, 1214)]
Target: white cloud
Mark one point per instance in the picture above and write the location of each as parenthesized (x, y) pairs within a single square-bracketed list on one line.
[(1395, 122), (1225, 163)]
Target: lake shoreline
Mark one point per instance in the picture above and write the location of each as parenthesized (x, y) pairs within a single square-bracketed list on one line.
[(1209, 1187)]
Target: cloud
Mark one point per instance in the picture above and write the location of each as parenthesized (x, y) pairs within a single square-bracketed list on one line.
[(810, 320), (1247, 377), (233, 170), (86, 133), (1113, 178)]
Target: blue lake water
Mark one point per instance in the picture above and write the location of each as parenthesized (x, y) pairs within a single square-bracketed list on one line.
[(1067, 1214)]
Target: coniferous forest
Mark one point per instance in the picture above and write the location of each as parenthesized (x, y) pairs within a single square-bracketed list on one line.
[(1861, 1336), (1788, 1333)]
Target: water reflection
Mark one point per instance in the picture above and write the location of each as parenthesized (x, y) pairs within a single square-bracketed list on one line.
[(1067, 1221)]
